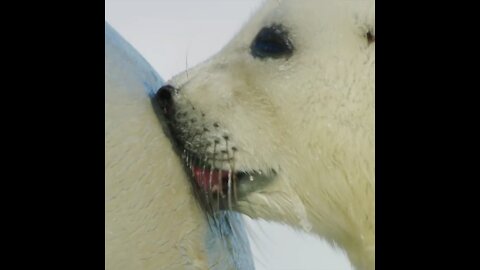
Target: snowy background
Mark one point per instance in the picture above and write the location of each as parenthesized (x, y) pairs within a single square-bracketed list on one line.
[(172, 34)]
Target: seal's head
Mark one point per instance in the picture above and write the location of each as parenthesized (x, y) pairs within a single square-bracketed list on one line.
[(280, 123)]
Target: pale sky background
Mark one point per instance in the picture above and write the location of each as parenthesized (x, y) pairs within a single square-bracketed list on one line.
[(165, 32)]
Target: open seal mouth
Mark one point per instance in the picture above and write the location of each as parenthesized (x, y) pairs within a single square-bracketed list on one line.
[(221, 186)]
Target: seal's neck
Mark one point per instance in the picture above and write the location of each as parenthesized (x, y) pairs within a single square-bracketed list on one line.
[(361, 252), (350, 228)]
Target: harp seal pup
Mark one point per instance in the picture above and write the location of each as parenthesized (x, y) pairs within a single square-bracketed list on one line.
[(279, 125)]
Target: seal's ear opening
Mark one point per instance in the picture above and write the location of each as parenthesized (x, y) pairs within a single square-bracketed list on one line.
[(370, 36)]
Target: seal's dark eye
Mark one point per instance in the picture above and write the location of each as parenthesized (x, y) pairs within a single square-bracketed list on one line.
[(271, 42)]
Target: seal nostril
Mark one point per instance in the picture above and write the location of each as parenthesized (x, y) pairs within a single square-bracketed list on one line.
[(164, 96)]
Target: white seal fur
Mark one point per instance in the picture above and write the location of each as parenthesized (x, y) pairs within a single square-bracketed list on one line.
[(299, 121), (151, 218)]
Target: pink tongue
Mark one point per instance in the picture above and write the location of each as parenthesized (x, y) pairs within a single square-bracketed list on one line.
[(202, 177)]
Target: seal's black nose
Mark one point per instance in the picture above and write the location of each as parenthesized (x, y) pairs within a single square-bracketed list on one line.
[(164, 96)]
